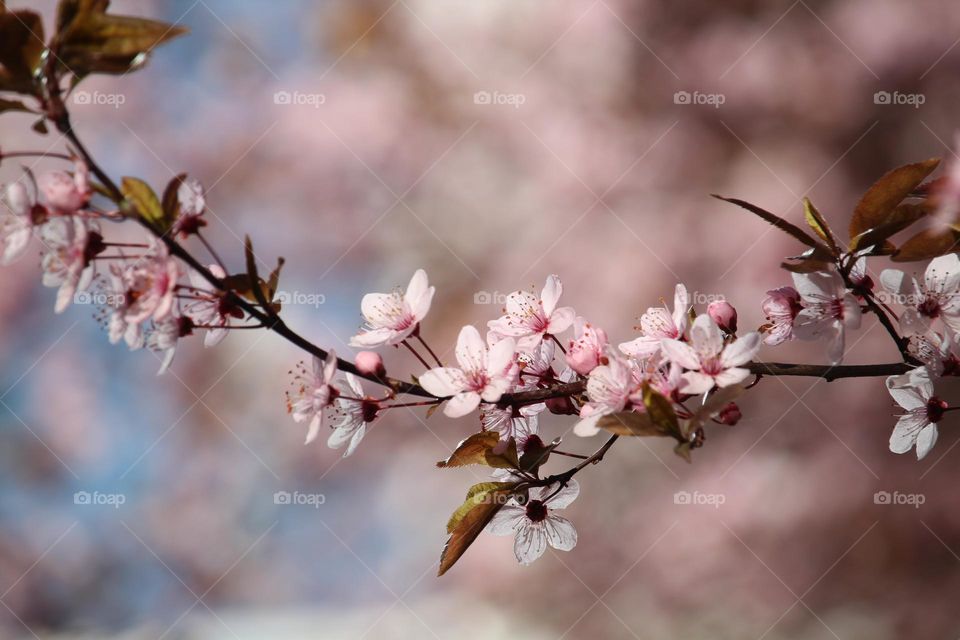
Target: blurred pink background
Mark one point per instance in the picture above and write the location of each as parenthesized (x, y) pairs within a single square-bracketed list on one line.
[(491, 143)]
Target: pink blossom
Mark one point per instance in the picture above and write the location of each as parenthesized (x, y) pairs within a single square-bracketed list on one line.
[(829, 309), (914, 392), (16, 229), (393, 317), (192, 201), (724, 314), (484, 374), (781, 309), (164, 336), (209, 308), (658, 323), (608, 390), (530, 319), (149, 284), (66, 264), (370, 363), (536, 524), (66, 193), (938, 297), (354, 415), (586, 350), (708, 361), (313, 394)]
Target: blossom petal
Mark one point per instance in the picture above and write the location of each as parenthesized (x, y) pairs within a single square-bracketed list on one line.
[(443, 381), (561, 534), (530, 543), (706, 337), (588, 426), (506, 520), (462, 404), (560, 320), (550, 295), (731, 377), (696, 383), (926, 440), (355, 440), (741, 351), (314, 429), (943, 275), (907, 430), (500, 357), (564, 497), (899, 284), (642, 347), (375, 338), (681, 353), (380, 309), (471, 350)]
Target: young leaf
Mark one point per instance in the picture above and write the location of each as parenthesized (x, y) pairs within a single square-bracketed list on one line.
[(902, 216), (630, 423), (469, 520), (171, 200), (14, 105), (878, 203), (534, 456), (820, 226), (480, 449), (145, 202), (21, 47), (927, 244), (779, 223), (660, 410)]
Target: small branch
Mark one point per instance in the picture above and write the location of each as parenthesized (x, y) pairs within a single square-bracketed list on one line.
[(827, 372)]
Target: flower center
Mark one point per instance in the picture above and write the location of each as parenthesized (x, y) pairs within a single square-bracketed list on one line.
[(536, 511), (930, 307), (935, 409)]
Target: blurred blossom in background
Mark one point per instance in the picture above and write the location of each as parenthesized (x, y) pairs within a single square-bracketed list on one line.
[(490, 143)]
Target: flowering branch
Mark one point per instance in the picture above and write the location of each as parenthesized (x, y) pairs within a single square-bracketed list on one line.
[(680, 376)]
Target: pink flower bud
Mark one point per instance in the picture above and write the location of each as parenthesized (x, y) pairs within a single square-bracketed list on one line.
[(370, 363), (723, 313), (65, 193), (730, 414), (586, 351)]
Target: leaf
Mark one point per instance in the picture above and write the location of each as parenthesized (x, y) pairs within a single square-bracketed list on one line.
[(536, 454), (806, 265), (929, 243), (171, 201), (255, 284), (902, 216), (660, 410), (480, 449), (631, 423), (683, 450), (21, 49), (274, 280), (778, 222), (469, 520), (820, 226), (92, 41), (878, 203), (145, 202), (14, 105)]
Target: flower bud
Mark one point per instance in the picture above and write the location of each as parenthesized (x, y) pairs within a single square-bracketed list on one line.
[(723, 313), (730, 414), (370, 363)]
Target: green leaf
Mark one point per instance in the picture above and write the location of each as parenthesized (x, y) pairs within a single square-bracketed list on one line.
[(483, 502), (927, 244), (816, 222), (479, 449), (779, 223), (145, 202), (21, 48), (877, 204)]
